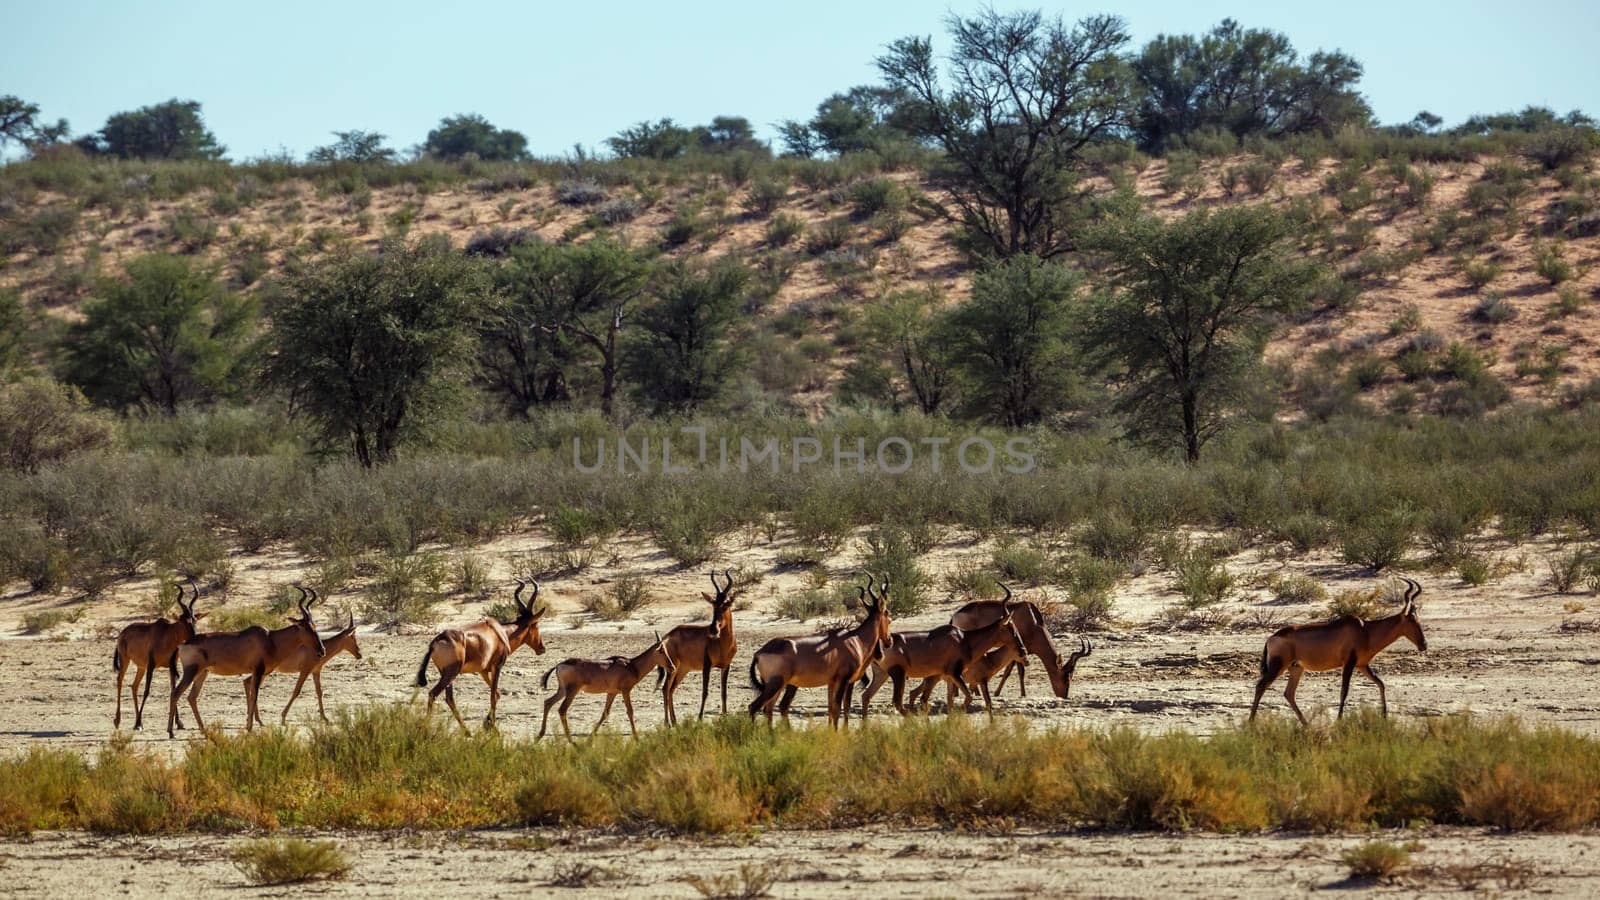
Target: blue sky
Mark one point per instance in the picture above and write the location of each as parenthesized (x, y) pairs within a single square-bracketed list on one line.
[(285, 74)]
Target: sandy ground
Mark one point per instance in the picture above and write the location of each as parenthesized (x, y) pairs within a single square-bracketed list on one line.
[(886, 864), (1496, 649)]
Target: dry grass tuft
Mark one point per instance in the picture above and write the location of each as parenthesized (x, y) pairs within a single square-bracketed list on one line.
[(290, 860)]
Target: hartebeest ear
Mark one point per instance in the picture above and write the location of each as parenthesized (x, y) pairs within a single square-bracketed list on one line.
[(707, 598)]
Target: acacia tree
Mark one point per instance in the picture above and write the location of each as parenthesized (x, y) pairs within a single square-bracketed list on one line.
[(458, 136), (682, 358), (587, 293), (1244, 81), (170, 130), (20, 122), (163, 334), (354, 146), (1010, 340), (906, 326), (365, 342), (1190, 308), (1027, 95)]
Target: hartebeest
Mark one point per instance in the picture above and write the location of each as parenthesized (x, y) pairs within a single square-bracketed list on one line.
[(253, 651), (145, 645), (711, 645), (482, 649), (1347, 642), (306, 662), (834, 659), (940, 653), (1030, 625), (617, 675)]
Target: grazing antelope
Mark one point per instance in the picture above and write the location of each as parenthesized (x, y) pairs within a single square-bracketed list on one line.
[(998, 660), (308, 664), (254, 651), (611, 677), (711, 644), (1347, 642), (1030, 625), (941, 653), (145, 645), (482, 649), (834, 659)]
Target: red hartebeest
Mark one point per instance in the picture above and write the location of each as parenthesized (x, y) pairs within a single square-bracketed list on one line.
[(835, 660), (1348, 642), (941, 653), (306, 662), (481, 649), (145, 645), (613, 676), (711, 646), (253, 651)]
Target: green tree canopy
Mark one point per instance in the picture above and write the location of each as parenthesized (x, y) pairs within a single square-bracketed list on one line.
[(354, 146), (458, 136), (1243, 81), (1189, 311), (170, 130), (163, 334), (1026, 95), (1011, 340), (20, 123), (905, 327), (682, 359), (365, 343)]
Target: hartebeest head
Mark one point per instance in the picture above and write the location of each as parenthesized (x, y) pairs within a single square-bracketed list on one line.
[(186, 613), (1410, 626), (525, 630), (720, 604), (303, 621), (348, 632), (878, 615), (1069, 664)]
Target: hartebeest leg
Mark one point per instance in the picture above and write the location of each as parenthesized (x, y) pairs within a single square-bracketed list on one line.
[(148, 670), (172, 701), (494, 697), (447, 675), (725, 670), (566, 704), (554, 698), (1274, 668), (252, 694), (295, 695), (194, 696), (316, 681), (1344, 684), (988, 705), (867, 693), (603, 713), (122, 670), (1295, 671), (1383, 701), (897, 675), (705, 684), (450, 701), (789, 693), (627, 705)]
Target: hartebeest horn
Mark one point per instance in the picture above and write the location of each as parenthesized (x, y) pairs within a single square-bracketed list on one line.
[(302, 604), (516, 597), (1413, 591), (1007, 599)]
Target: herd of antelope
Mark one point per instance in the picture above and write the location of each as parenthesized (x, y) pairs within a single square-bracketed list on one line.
[(983, 639)]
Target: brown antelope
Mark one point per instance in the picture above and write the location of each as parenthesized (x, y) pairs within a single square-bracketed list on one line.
[(999, 660), (308, 664), (941, 653), (617, 675), (1347, 642), (481, 649), (712, 645), (254, 651), (834, 659), (1030, 625), (145, 645)]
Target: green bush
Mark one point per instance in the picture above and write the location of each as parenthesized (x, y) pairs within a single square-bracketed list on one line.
[(270, 861), (1378, 540), (405, 591), (1201, 579)]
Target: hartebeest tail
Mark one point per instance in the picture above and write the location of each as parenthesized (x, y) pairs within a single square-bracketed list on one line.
[(481, 649), (1347, 642)]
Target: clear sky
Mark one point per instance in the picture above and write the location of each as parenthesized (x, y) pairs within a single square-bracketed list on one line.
[(285, 74)]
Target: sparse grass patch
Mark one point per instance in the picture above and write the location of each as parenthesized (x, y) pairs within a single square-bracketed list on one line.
[(290, 860), (1376, 860), (621, 599)]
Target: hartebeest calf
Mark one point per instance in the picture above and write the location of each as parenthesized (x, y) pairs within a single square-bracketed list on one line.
[(1348, 642), (835, 660), (145, 645), (617, 675), (308, 664), (481, 649), (253, 651), (940, 653), (711, 645)]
